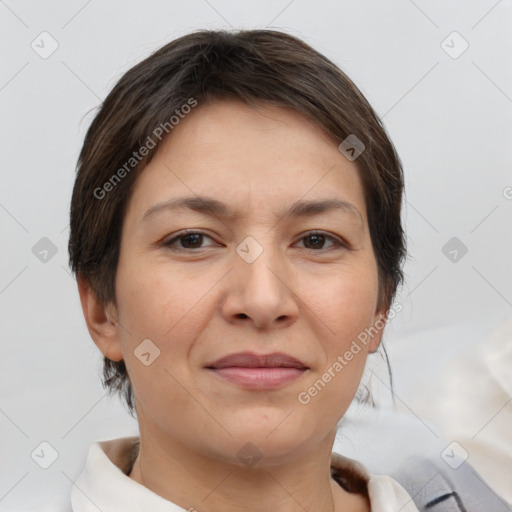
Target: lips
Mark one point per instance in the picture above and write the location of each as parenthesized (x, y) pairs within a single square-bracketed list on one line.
[(254, 371), (249, 360)]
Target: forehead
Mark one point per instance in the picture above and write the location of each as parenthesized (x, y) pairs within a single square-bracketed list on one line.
[(263, 157)]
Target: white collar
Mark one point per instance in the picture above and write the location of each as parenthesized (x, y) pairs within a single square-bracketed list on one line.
[(104, 483)]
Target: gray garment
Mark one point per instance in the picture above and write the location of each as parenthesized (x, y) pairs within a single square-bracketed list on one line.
[(436, 487)]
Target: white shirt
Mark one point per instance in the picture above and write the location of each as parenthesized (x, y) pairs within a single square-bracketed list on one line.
[(104, 483)]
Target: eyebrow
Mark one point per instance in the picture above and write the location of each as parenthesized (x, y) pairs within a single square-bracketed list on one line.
[(213, 207)]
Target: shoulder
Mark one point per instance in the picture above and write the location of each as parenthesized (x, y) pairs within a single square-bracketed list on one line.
[(439, 487), (383, 492)]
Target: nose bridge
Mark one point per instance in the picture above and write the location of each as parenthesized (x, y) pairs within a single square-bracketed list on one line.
[(259, 290), (258, 258)]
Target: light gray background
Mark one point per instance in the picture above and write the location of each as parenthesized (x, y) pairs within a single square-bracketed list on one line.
[(450, 119)]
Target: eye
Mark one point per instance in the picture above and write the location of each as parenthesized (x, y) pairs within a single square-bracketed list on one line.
[(188, 240), (316, 241)]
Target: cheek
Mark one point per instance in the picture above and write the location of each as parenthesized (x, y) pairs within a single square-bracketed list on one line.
[(333, 385), (345, 302), (170, 309), (160, 307), (159, 300), (346, 305)]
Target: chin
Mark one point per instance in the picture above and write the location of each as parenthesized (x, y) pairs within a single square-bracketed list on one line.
[(267, 441)]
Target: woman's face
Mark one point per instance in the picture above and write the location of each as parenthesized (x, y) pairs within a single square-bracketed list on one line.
[(262, 271)]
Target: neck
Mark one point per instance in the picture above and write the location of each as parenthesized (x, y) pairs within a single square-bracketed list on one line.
[(197, 482)]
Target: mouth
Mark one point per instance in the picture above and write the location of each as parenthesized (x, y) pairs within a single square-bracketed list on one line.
[(253, 371)]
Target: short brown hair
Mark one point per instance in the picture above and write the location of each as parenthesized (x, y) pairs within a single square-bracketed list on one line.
[(255, 66)]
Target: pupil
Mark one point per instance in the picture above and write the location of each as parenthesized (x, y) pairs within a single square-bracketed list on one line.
[(194, 237), (317, 240)]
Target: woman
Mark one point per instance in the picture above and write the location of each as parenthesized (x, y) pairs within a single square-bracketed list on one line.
[(237, 242)]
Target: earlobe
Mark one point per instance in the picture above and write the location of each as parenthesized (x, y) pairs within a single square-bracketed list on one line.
[(377, 330), (101, 322)]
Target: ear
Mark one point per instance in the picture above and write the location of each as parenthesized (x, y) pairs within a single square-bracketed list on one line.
[(101, 321), (377, 329)]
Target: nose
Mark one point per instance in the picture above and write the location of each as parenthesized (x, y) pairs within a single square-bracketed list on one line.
[(261, 292)]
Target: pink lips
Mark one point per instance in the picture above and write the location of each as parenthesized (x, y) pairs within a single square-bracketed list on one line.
[(258, 371)]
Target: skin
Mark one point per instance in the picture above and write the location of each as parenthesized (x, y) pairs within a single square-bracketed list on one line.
[(197, 305)]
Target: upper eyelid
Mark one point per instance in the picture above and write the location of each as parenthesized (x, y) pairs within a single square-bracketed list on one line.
[(337, 239)]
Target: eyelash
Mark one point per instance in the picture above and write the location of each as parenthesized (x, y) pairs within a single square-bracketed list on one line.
[(185, 233)]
